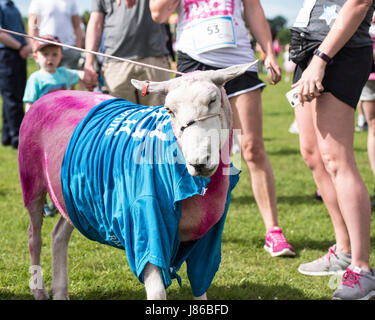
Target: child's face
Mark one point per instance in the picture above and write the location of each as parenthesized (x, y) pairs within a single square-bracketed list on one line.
[(49, 58)]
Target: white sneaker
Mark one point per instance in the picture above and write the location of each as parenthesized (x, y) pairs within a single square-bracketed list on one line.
[(293, 128), (334, 262)]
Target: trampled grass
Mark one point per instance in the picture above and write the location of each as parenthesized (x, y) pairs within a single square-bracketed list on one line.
[(246, 272)]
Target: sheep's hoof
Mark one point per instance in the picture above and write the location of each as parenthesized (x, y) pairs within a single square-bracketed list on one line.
[(40, 294), (61, 296)]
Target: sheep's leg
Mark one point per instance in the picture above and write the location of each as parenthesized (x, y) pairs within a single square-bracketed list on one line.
[(36, 282), (202, 297), (60, 239), (153, 283)]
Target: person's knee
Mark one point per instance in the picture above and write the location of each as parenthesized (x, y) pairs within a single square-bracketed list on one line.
[(253, 151), (331, 163), (317, 160), (310, 157)]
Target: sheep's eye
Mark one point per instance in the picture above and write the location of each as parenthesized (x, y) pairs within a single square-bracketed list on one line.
[(170, 112), (213, 100)]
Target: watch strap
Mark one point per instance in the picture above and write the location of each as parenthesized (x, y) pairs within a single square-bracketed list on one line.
[(323, 56)]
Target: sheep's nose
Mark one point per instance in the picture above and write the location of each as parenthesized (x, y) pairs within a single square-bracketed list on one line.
[(198, 167)]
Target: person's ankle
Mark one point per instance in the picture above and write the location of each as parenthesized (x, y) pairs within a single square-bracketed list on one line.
[(365, 266), (344, 249), (272, 227)]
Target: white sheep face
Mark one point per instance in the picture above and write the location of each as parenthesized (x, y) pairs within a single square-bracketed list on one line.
[(200, 141), (200, 115)]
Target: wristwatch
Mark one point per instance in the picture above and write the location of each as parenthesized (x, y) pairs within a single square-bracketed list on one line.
[(323, 56)]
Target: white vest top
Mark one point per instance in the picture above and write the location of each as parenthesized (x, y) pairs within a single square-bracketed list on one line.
[(214, 33)]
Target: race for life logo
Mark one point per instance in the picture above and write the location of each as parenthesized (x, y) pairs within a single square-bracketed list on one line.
[(201, 9)]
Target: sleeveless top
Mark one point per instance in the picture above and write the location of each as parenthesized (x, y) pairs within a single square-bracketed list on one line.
[(213, 32)]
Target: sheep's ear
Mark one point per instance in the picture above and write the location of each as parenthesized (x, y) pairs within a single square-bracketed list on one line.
[(151, 86), (220, 77)]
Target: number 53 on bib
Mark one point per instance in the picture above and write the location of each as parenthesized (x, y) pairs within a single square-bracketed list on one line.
[(213, 33)]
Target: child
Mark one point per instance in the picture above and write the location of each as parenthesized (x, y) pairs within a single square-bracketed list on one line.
[(50, 77)]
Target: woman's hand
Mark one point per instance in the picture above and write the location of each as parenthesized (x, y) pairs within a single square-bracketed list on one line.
[(310, 85), (274, 70)]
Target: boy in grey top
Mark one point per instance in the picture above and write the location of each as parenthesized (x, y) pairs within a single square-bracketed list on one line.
[(129, 32)]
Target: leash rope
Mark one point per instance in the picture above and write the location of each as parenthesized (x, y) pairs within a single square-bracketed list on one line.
[(191, 122), (145, 88), (90, 51)]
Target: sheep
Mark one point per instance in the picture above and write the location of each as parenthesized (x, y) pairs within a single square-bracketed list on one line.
[(196, 120)]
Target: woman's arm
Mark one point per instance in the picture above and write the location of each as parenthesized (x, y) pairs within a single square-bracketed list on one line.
[(162, 9), (347, 22), (260, 28)]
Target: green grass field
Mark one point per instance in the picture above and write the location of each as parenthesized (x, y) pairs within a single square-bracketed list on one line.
[(246, 272)]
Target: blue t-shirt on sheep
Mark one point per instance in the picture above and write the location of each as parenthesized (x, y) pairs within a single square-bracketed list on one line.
[(123, 178)]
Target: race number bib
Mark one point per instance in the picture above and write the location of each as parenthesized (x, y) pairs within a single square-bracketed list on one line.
[(303, 16), (213, 33)]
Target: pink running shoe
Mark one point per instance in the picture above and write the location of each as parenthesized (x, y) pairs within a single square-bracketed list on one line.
[(276, 243)]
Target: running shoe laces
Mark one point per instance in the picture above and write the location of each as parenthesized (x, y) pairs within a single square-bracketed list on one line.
[(277, 236), (331, 252), (351, 278)]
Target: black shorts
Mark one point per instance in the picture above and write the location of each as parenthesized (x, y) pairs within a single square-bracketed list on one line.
[(346, 76), (249, 81)]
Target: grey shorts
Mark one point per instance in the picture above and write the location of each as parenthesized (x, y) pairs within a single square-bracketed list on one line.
[(71, 59), (117, 76), (368, 91)]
